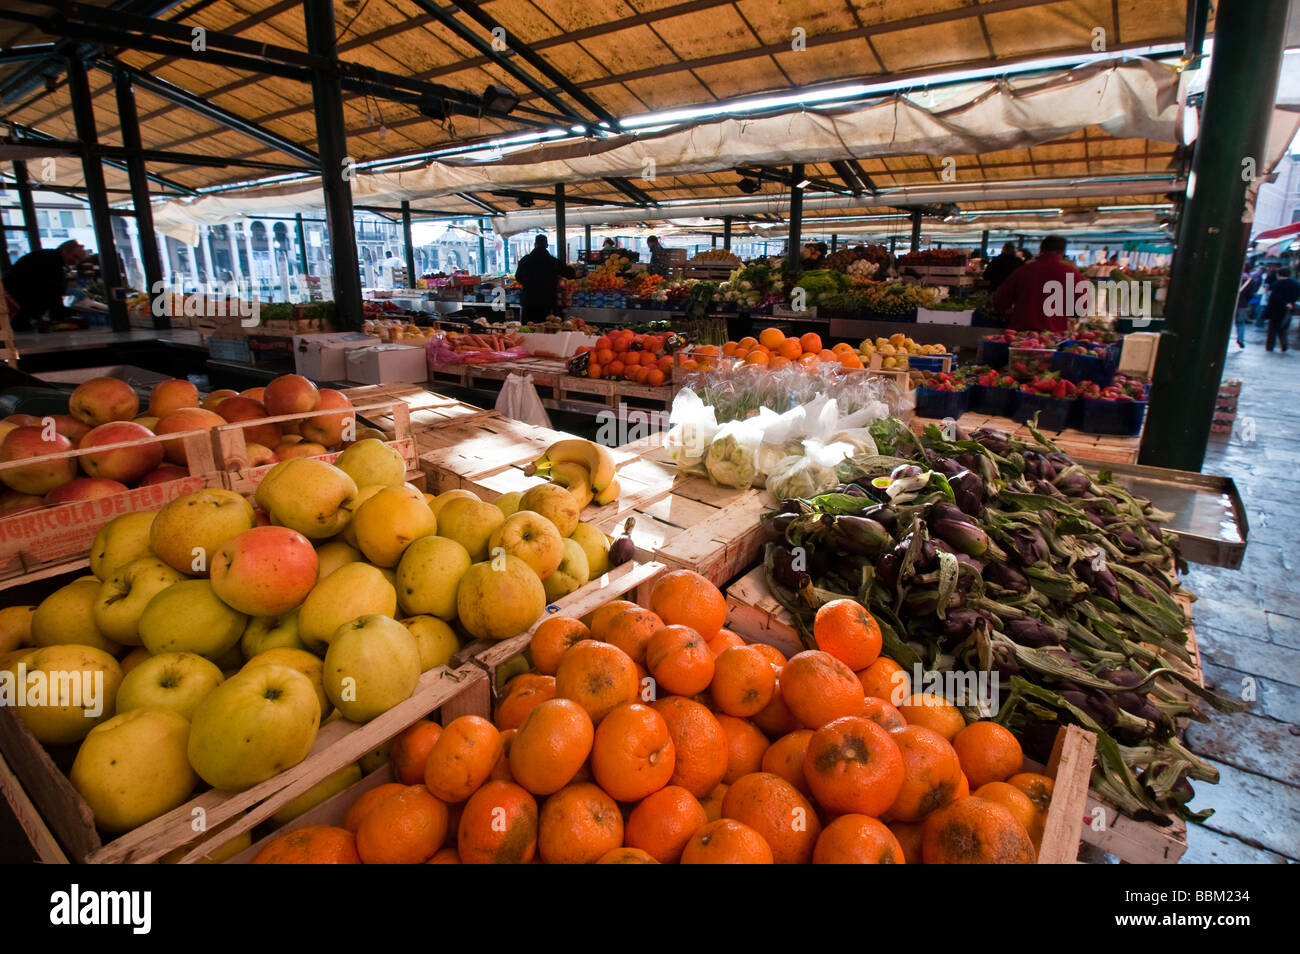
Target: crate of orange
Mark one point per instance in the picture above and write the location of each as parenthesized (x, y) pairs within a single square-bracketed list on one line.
[(647, 732), (774, 350)]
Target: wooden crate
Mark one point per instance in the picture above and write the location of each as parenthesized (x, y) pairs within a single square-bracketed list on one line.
[(754, 613), (1070, 767), (39, 836), (479, 447), (452, 692), (725, 544), (51, 539), (231, 449)]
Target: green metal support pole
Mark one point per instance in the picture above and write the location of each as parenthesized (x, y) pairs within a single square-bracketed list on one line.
[(128, 119), (835, 241), (92, 166), (586, 238), (32, 227), (336, 166), (726, 232), (408, 245), (795, 244), (482, 247), (916, 230), (302, 243), (561, 242), (1238, 109), (984, 244)]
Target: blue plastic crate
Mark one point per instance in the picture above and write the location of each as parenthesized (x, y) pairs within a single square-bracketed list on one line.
[(996, 354), (990, 400), (1112, 417), (941, 404), (1054, 414)]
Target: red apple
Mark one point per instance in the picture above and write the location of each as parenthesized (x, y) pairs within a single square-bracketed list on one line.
[(301, 449), (259, 454), (162, 474), (241, 408), (12, 503), (101, 400), (71, 428), (85, 488), (185, 419), (327, 429), (22, 420), (210, 402), (265, 571), (290, 394), (255, 393), (41, 476), (171, 395), (127, 464)]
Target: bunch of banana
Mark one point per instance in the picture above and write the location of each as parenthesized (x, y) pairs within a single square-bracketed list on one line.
[(583, 467)]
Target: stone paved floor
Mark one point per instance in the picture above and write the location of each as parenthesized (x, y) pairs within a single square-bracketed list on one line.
[(1248, 625)]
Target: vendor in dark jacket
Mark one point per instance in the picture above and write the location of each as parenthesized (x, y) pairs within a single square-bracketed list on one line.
[(539, 273), (1000, 268), (38, 281)]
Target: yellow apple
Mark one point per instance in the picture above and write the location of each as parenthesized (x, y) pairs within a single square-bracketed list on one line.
[(187, 533), (386, 524), (176, 681), (375, 758), (227, 850), (349, 533), (124, 595), (254, 725), (309, 496), (16, 627), (133, 659), (428, 574), (596, 545), (190, 617), (371, 461), (470, 523), (508, 503), (68, 691), (500, 598), (327, 787), (120, 541), (333, 555), (270, 632), (301, 660), (67, 616), (373, 663), (354, 589), (133, 768), (532, 538), (572, 573), (447, 496), (555, 504), (436, 640)]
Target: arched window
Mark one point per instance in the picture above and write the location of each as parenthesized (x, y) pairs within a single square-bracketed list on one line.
[(257, 234)]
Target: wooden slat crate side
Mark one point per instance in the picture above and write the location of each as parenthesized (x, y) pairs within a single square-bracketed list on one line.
[(1070, 766), (725, 545), (753, 613), (38, 834)]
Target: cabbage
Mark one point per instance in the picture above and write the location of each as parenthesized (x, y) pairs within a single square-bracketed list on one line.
[(801, 477), (732, 457)]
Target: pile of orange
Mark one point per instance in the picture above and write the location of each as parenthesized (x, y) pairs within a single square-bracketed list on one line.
[(772, 349), (655, 735), (626, 355)]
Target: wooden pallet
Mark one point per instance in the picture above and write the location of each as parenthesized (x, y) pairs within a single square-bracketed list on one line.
[(451, 692), (52, 539)]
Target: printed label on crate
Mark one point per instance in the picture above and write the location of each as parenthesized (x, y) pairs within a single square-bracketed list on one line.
[(66, 531)]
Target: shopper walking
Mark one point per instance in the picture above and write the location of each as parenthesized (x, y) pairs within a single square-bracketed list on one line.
[(1245, 292), (659, 264), (1040, 295), (539, 274), (1285, 293), (999, 269)]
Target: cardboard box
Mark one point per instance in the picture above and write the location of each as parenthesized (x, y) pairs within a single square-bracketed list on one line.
[(320, 356), (387, 364)]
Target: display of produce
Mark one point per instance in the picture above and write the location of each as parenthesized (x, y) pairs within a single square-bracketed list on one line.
[(895, 350), (583, 467), (625, 355)]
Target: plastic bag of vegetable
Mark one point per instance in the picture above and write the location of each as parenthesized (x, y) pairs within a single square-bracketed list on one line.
[(806, 476), (694, 426), (732, 457)]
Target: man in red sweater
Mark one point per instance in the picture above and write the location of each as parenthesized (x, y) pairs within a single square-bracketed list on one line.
[(1041, 295)]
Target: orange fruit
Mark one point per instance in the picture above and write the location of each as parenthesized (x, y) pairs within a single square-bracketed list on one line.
[(626, 856), (963, 787), (724, 640), (827, 355), (790, 348), (551, 746), (758, 357), (444, 856), (811, 343), (988, 753), (771, 338), (840, 347), (406, 828), (883, 714), (312, 845), (368, 800), (745, 747), (578, 825), (713, 803), (818, 688), (743, 681), (973, 831), (858, 840), (552, 639), (664, 822), (594, 370), (850, 359), (462, 758), (848, 632), (779, 812), (909, 838), (730, 348), (1037, 787), (683, 597), (615, 369), (1016, 802), (633, 754), (501, 771), (931, 773), (655, 377), (603, 614), (410, 750), (524, 693), (773, 655), (598, 677), (784, 757), (727, 842), (679, 660), (853, 766), (885, 679), (934, 712), (776, 719), (498, 826), (699, 742), (748, 342), (631, 629), (778, 362), (809, 361), (604, 355)]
